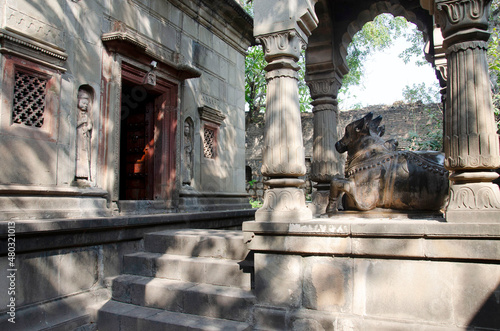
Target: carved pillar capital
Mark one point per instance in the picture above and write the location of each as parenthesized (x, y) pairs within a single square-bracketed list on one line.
[(463, 20), (286, 44), (326, 87)]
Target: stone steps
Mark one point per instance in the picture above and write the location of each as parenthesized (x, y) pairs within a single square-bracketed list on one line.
[(122, 316), (184, 277), (223, 272), (198, 243), (179, 296)]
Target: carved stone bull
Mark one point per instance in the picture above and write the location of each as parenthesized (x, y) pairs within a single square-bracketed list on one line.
[(379, 176)]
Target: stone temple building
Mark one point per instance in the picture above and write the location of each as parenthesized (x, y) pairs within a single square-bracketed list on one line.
[(122, 190)]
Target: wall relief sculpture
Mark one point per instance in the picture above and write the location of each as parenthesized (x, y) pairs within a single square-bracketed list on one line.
[(187, 157), (84, 133), (377, 175)]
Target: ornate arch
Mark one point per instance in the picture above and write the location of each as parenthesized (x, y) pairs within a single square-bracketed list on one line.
[(375, 9)]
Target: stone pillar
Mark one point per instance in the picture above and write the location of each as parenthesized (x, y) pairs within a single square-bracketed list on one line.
[(470, 140), (283, 156), (326, 160)]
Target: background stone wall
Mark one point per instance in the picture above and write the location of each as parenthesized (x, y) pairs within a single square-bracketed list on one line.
[(400, 121)]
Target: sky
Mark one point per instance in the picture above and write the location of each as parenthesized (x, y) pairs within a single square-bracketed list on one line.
[(385, 77)]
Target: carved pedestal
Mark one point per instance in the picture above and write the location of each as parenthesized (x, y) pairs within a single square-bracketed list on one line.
[(470, 139)]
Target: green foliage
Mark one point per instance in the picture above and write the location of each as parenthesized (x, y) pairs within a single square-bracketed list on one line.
[(421, 93), (251, 182), (494, 58), (255, 203), (376, 36), (255, 82), (432, 139)]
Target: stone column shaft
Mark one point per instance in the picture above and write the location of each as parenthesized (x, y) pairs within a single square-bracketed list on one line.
[(283, 150), (326, 161)]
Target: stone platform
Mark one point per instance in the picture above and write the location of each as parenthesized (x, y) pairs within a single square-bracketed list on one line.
[(354, 273)]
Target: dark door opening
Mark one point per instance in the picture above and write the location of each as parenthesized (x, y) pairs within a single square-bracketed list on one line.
[(137, 143)]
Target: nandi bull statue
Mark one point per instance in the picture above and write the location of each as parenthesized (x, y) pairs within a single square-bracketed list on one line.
[(379, 176)]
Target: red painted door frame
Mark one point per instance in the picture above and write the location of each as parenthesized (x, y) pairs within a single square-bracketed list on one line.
[(161, 148)]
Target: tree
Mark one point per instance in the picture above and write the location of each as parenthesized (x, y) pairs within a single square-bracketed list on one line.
[(375, 36)]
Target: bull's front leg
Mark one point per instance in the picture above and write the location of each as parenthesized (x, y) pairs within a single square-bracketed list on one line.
[(338, 186)]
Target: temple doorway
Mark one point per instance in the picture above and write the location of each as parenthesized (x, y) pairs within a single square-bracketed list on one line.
[(147, 136), (137, 143)]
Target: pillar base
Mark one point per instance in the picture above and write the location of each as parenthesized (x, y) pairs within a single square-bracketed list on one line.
[(284, 205), (473, 202), (320, 199)]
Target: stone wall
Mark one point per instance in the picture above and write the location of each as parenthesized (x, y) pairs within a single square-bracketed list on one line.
[(399, 120), (192, 54)]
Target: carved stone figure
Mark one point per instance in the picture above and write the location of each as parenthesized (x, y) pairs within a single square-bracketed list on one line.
[(188, 153), (83, 134), (379, 176)]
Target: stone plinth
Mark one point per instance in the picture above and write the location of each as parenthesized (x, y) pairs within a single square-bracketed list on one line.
[(358, 273)]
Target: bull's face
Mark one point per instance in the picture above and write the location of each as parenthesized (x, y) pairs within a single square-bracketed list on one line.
[(353, 132)]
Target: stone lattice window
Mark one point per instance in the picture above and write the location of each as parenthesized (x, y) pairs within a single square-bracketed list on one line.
[(209, 142), (29, 99)]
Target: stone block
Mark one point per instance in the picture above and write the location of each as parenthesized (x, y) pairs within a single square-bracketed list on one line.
[(267, 318), (406, 247), (187, 50), (167, 268), (278, 279), (121, 288), (164, 9), (169, 36), (142, 264), (124, 11), (205, 36), (218, 302), (418, 291), (23, 158), (190, 26), (220, 46), (161, 293), (61, 273), (131, 320), (112, 253), (302, 244), (228, 273), (149, 26), (108, 317), (328, 284), (41, 18), (465, 248), (78, 270), (476, 294)]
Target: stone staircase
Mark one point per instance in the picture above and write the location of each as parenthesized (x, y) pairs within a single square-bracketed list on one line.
[(185, 280)]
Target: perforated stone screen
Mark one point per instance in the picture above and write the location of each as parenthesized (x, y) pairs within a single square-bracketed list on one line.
[(29, 99), (209, 143)]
